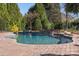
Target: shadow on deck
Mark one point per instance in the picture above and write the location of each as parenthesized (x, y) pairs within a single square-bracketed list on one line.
[(59, 55)]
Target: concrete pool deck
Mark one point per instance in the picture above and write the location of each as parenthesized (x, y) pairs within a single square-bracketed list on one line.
[(9, 47)]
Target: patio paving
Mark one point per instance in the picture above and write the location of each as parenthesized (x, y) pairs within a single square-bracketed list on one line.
[(9, 47)]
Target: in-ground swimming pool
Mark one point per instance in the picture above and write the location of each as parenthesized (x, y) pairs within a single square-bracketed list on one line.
[(41, 38)]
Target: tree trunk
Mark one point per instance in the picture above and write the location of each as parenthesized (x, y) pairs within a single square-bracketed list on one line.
[(30, 25), (66, 21)]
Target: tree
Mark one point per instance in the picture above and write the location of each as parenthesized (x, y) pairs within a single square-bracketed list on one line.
[(2, 24), (36, 11), (4, 16), (41, 11), (52, 25), (58, 25), (14, 14), (31, 16), (43, 16), (53, 12), (24, 23), (46, 24), (71, 8), (37, 24)]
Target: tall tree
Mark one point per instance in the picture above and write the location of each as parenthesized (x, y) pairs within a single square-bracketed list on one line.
[(24, 23), (53, 12), (37, 24), (71, 8), (43, 16), (15, 15), (4, 16), (38, 10)]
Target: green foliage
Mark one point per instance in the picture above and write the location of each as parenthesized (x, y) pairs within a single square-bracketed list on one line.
[(10, 15), (39, 8), (3, 16), (75, 24), (72, 8), (44, 19), (14, 14), (58, 26), (14, 28), (37, 24), (46, 24), (3, 24), (24, 23), (52, 25), (45, 12), (53, 12)]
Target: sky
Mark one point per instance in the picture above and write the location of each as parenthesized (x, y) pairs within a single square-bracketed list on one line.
[(24, 7)]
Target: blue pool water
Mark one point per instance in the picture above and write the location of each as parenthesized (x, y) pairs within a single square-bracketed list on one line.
[(40, 38)]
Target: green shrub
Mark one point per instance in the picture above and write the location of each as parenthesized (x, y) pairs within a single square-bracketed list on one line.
[(37, 24), (52, 25), (58, 26)]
